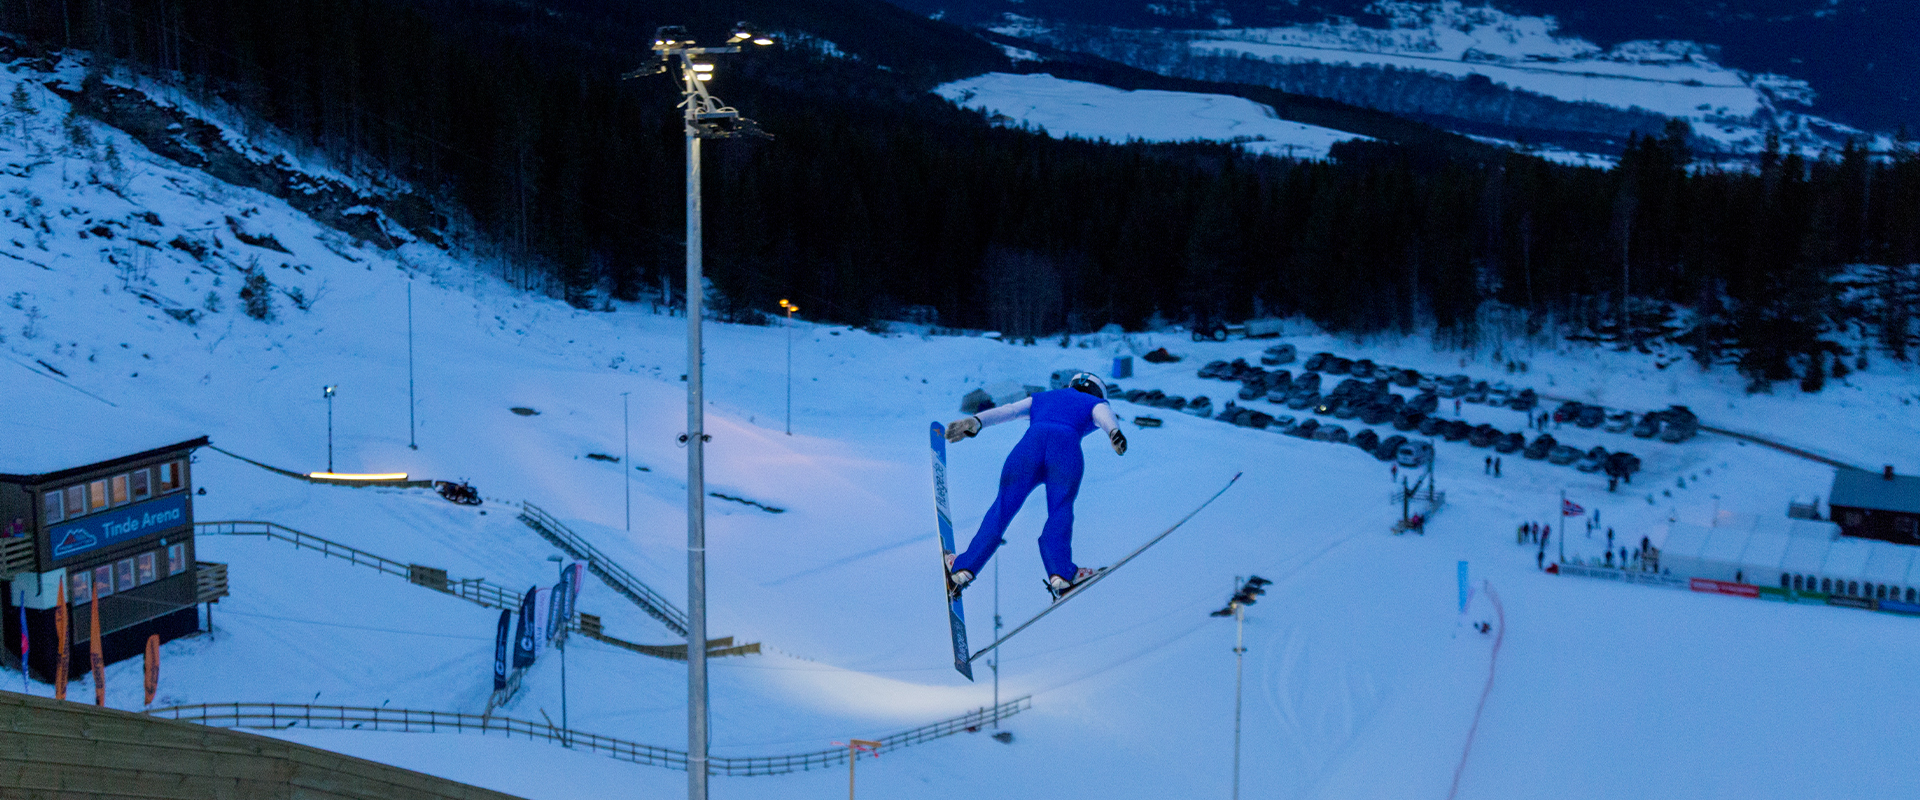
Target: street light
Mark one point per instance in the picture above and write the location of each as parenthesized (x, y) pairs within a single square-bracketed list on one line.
[(704, 118), (790, 309), (327, 392), (1236, 608)]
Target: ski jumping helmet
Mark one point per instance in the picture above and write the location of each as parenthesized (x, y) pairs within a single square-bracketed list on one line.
[(1089, 383)]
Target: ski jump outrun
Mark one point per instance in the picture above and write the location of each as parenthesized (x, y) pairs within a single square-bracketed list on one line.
[(1048, 454)]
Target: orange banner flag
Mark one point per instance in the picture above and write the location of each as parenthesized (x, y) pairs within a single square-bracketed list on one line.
[(152, 666), (60, 632), (93, 652)]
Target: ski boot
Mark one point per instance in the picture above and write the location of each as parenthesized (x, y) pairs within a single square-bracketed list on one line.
[(1061, 587)]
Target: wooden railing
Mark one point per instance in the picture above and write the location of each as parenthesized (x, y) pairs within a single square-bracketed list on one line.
[(474, 590), (286, 715), (616, 576)]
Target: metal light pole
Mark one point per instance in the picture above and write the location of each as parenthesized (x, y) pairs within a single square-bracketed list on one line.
[(790, 309), (1236, 607), (412, 444), (327, 391), (561, 643), (705, 118), (626, 457)]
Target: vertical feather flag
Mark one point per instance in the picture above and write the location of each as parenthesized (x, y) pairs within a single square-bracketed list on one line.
[(60, 633), (93, 651), (523, 633), (500, 650), (152, 671), (23, 648)]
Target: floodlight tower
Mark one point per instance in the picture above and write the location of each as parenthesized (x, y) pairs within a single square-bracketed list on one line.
[(705, 118), (1236, 608)]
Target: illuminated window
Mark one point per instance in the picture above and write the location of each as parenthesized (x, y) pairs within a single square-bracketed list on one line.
[(176, 559), (56, 507), (80, 587), (123, 576), (117, 490), (142, 489), (103, 580), (173, 476), (97, 495), (148, 568), (76, 501)]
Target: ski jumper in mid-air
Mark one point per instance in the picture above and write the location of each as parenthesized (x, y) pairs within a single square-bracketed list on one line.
[(1049, 453)]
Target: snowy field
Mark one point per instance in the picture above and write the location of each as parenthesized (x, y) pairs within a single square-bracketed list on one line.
[(1082, 110), (1363, 677)]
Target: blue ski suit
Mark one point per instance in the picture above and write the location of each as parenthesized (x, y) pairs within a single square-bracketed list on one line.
[(1049, 453)]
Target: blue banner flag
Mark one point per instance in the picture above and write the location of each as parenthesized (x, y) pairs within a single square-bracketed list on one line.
[(523, 648), (1463, 587), (500, 650)]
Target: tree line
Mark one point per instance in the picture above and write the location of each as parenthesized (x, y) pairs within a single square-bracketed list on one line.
[(875, 197)]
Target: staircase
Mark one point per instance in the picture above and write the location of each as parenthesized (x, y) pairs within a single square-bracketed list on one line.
[(615, 576)]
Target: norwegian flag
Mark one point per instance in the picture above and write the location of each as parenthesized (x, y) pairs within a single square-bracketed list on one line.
[(1568, 508)]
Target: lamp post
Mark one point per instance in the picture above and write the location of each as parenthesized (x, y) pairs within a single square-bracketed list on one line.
[(561, 643), (1236, 608), (705, 118), (327, 392), (790, 309)]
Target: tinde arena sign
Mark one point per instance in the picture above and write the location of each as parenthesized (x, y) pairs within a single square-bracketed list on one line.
[(120, 525)]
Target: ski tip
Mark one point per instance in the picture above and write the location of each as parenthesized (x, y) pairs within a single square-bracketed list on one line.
[(964, 668)]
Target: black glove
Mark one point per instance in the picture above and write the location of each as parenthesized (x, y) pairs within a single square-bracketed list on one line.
[(1119, 441)]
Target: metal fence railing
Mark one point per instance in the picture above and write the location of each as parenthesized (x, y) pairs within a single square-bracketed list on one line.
[(599, 564), (287, 715), (475, 590)]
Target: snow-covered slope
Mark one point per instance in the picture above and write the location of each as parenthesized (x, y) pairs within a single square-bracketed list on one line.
[(1085, 110), (1363, 677)]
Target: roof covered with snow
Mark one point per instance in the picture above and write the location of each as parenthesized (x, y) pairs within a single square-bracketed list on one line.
[(1856, 488)]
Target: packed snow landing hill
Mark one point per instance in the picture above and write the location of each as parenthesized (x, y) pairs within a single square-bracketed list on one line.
[(1364, 677)]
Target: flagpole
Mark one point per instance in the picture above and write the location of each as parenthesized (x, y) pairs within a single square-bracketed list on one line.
[(1563, 526)]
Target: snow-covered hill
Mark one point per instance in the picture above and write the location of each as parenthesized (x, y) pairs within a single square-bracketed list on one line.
[(1363, 677)]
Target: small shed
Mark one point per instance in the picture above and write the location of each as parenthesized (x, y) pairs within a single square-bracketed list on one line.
[(1876, 505)]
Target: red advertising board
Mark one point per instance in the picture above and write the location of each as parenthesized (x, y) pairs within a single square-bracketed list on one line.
[(1724, 587)]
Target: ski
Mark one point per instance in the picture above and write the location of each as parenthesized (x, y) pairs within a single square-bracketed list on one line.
[(956, 616), (1102, 574)]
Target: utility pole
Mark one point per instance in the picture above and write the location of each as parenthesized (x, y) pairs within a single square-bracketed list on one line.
[(995, 663), (1236, 607), (626, 456), (790, 309), (412, 444), (704, 118)]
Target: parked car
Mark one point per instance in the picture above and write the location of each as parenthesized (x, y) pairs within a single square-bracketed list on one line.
[(1337, 366), (1316, 362), (1415, 453), (1310, 381), (1363, 369), (1408, 419), (1259, 420), (1330, 433), (1477, 393), (1376, 413), (1326, 405), (1681, 425), (1303, 399), (1216, 370), (1593, 461), (1280, 379), (1455, 386), (1432, 426), (1406, 378), (1349, 408), (1540, 446), (1620, 423), (1277, 355), (1150, 398), (1174, 402), (1201, 406), (1252, 389), (1509, 442), (1282, 421), (1425, 402), (1526, 400), (1482, 436), (1563, 454), (1567, 411), (1389, 448), (1590, 417), (1427, 383), (1649, 426), (1366, 440), (1500, 394), (1305, 428), (1457, 430)]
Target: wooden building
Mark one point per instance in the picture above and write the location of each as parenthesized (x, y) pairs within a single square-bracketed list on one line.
[(116, 527), (1876, 505)]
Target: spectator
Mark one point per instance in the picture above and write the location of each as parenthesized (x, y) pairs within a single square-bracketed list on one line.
[(1609, 559), (1496, 466), (1609, 538), (1540, 560), (1486, 466)]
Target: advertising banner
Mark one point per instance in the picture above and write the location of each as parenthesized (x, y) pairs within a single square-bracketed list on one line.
[(540, 629), (500, 650), (95, 656), (523, 633), (84, 535), (60, 625), (1850, 602), (1724, 587), (152, 667)]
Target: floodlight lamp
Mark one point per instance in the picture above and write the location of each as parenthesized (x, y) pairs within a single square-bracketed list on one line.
[(763, 41), (703, 76), (327, 391), (702, 67)]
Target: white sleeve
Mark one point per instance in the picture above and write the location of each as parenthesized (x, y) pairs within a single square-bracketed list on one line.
[(1103, 417), (1007, 413)]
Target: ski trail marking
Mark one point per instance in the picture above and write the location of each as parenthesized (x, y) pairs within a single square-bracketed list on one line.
[(1492, 663)]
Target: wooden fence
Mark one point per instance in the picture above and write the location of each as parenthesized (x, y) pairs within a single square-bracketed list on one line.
[(287, 715)]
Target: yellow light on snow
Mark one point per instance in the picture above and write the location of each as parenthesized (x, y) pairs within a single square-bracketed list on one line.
[(359, 476)]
